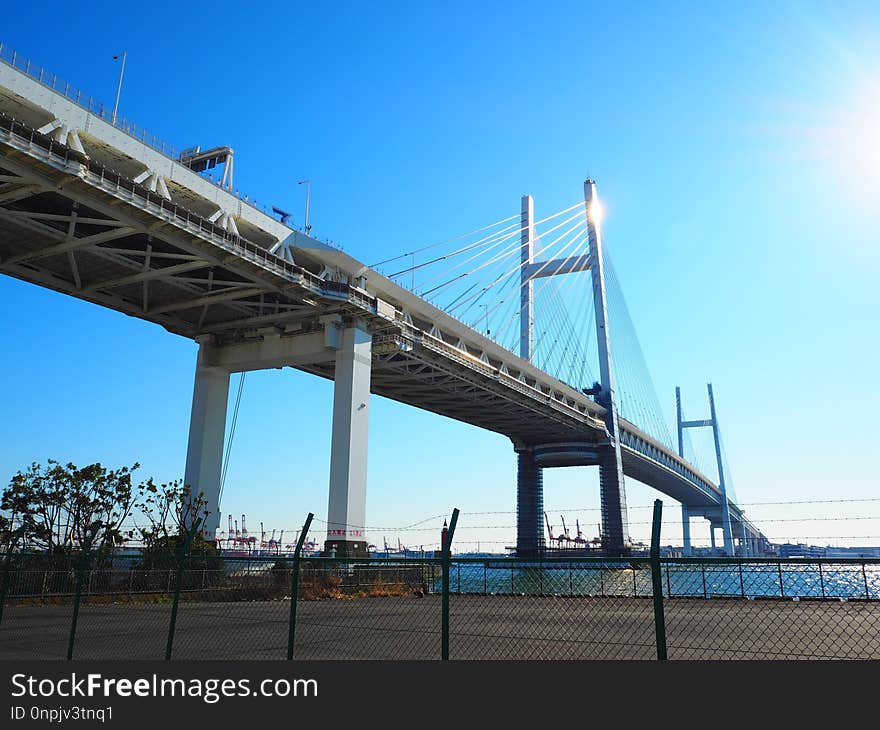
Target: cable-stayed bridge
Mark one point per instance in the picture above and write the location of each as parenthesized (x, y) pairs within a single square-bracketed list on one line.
[(519, 327)]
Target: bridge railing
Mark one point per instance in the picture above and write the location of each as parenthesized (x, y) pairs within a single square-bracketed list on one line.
[(236, 606), (110, 180), (84, 100), (88, 102)]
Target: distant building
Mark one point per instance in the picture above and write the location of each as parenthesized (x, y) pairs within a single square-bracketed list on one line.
[(789, 550), (852, 552)]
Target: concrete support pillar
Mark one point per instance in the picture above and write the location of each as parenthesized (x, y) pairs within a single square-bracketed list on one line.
[(712, 535), (346, 513), (686, 530), (612, 497), (529, 506), (207, 430)]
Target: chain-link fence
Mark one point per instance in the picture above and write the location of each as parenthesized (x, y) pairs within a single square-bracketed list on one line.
[(518, 609), (227, 606), (368, 610), (772, 609)]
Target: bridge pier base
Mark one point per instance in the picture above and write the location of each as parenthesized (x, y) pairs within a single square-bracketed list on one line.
[(613, 501), (529, 505), (346, 512), (712, 535), (686, 530), (207, 431)]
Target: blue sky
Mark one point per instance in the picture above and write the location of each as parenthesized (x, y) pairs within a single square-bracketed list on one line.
[(737, 151)]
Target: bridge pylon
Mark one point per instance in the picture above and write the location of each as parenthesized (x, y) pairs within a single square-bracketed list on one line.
[(712, 422), (611, 485), (607, 456)]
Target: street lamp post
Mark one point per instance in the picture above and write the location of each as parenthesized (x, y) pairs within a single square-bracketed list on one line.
[(119, 85), (308, 184)]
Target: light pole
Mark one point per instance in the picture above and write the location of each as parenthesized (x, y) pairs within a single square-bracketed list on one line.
[(308, 184), (486, 316), (119, 85)]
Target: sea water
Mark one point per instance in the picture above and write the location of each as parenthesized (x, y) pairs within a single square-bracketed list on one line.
[(749, 580)]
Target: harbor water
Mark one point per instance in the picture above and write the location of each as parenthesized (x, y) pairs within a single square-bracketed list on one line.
[(748, 580)]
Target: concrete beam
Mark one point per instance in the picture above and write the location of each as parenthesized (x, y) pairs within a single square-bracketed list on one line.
[(570, 265), (275, 351)]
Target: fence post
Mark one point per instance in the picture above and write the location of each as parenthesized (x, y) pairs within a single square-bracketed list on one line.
[(181, 557), (294, 585), (7, 567), (80, 574), (865, 579), (446, 553), (821, 579), (657, 582)]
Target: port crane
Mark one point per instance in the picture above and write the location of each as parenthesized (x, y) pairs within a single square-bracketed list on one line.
[(579, 537), (564, 537), (549, 529)]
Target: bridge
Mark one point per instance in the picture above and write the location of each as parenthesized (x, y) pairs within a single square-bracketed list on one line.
[(94, 207)]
